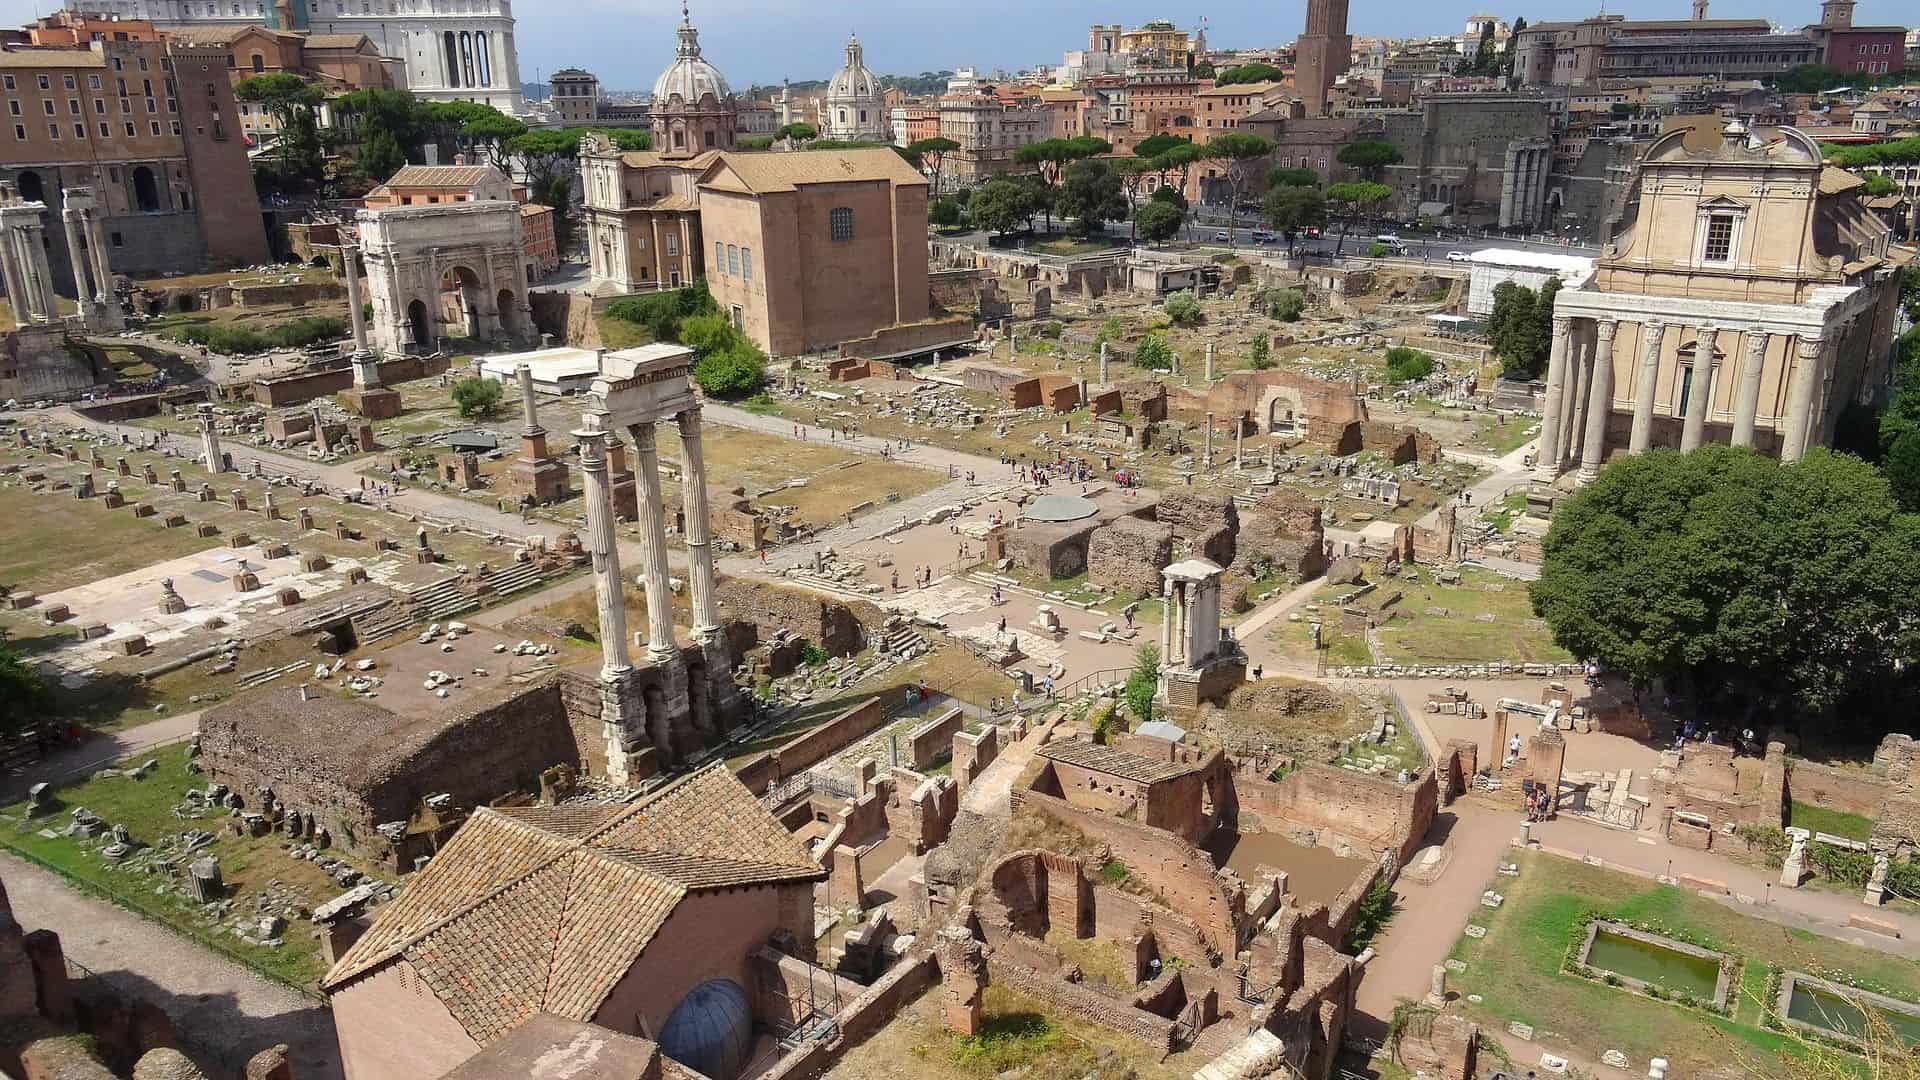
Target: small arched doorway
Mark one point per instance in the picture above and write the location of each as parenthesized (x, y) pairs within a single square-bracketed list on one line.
[(462, 303), (419, 328), (509, 310), (146, 190)]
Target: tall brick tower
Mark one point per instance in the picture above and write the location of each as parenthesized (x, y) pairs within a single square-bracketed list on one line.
[(1321, 53)]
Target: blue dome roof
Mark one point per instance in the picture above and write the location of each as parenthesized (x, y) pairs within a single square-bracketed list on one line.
[(711, 1030)]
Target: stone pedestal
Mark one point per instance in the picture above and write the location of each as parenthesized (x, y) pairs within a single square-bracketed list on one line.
[(373, 403), (535, 472)]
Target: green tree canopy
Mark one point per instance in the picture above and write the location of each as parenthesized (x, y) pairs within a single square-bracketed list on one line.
[(1520, 328), (1354, 198), (1290, 210), (291, 101), (477, 398), (1091, 196), (1250, 73), (1154, 145), (798, 131), (1000, 206), (1759, 588), (1238, 152), (1405, 364), (24, 698), (1203, 70), (1159, 221), (932, 154), (1370, 156), (1277, 178)]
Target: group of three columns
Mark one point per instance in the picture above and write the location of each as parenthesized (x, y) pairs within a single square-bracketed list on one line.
[(604, 544), (1580, 392)]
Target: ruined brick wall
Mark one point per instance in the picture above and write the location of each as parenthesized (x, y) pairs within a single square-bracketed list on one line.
[(956, 290), (1085, 1003), (972, 754), (1440, 1045), (933, 740), (1436, 544), (1177, 870), (1342, 808), (839, 628), (813, 746), (896, 340), (1119, 916), (1207, 520), (1346, 906), (848, 370), (1853, 791), (1101, 792), (1059, 393), (1286, 528), (1053, 550), (1128, 555), (298, 389)]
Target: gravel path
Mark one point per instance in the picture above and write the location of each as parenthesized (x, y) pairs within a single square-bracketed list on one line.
[(222, 1011)]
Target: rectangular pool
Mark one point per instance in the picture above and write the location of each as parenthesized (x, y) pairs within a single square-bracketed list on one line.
[(1645, 960), (1836, 1010)]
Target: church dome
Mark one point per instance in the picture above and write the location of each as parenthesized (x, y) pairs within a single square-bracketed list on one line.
[(689, 77), (853, 82)]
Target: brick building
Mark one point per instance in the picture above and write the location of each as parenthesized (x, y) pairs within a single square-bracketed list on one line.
[(642, 917), (154, 131), (1857, 50)]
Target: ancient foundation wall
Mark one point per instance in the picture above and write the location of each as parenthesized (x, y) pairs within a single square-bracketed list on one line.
[(1853, 791), (299, 389), (1084, 1003), (1342, 808), (839, 628), (813, 746)]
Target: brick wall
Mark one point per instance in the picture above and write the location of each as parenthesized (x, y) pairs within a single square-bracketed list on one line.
[(299, 389), (933, 740), (1178, 871), (912, 337), (1085, 1003), (841, 629), (1360, 810), (1128, 555), (1854, 791), (812, 746)]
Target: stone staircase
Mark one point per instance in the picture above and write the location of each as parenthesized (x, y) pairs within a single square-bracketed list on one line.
[(516, 578), (1218, 1039), (379, 624), (439, 601), (898, 639)]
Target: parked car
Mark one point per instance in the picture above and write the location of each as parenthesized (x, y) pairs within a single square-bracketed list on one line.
[(1222, 237), (1459, 256)]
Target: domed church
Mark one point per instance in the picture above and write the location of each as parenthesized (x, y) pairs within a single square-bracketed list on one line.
[(693, 108), (854, 109)]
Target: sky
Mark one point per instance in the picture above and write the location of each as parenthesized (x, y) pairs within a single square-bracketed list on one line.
[(628, 42)]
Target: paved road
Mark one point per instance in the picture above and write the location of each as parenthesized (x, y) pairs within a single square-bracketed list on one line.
[(99, 753), (222, 1011)]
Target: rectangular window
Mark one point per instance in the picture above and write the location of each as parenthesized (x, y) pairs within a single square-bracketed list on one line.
[(733, 261), (73, 106), (44, 84), (99, 106), (93, 82), (53, 132), (719, 257), (20, 132), (673, 251), (1719, 238), (8, 82), (1686, 391), (69, 82), (840, 223), (132, 131), (48, 106), (746, 265), (155, 125), (106, 131)]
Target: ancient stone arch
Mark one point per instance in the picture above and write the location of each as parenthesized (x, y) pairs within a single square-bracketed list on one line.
[(458, 265)]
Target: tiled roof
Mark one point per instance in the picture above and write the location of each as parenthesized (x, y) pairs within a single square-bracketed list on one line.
[(336, 41), (442, 176), (1089, 755), (645, 159), (1838, 181), (51, 58), (783, 171), (545, 909)]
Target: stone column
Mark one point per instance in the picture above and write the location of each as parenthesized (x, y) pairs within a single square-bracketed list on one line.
[(1239, 443), (350, 258), (82, 290), (529, 407), (1103, 363), (27, 305), (1546, 454), (1207, 462), (653, 544), (1746, 416), (1652, 336), (97, 254), (210, 445), (604, 547), (1700, 395), (1166, 621), (34, 236), (1581, 385), (16, 287), (1599, 401), (693, 500), (1808, 353), (1209, 363)]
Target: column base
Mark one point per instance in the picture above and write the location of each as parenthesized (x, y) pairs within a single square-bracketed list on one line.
[(373, 403)]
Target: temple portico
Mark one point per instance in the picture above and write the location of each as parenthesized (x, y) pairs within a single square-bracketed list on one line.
[(1698, 325)]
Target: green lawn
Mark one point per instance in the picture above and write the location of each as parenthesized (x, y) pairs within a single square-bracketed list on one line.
[(1487, 618), (1516, 970), (145, 806), (1822, 820), (54, 542)]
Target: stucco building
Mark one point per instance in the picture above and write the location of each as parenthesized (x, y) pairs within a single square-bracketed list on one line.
[(1746, 295), (641, 917), (1613, 47)]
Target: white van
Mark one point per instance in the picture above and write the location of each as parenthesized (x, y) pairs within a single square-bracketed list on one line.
[(1392, 241)]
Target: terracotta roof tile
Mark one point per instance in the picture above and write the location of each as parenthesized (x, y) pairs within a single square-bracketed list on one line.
[(783, 171), (443, 176), (546, 908)]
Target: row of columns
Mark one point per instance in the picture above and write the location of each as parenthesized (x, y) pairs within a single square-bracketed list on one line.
[(23, 263), (1583, 369), (604, 546)]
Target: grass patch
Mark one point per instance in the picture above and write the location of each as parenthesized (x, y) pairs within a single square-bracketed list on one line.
[(1516, 968), (1820, 819), (145, 807), (1486, 618), (56, 542), (1510, 507)]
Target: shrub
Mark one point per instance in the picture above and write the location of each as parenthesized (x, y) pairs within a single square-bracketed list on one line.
[(1375, 911), (1183, 308), (1378, 251), (1286, 305), (1113, 871), (1260, 356), (477, 398), (1111, 330), (1404, 364), (1051, 329), (1153, 353), (736, 371), (812, 655), (660, 313), (1143, 684)]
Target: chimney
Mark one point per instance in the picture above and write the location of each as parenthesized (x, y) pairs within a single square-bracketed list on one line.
[(459, 159)]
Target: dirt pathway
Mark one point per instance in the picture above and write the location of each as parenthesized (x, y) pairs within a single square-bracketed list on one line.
[(98, 753), (222, 1011)]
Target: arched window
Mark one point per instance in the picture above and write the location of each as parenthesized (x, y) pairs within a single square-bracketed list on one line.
[(482, 59), (840, 222), (466, 58), (453, 60), (259, 63), (31, 189)]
